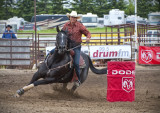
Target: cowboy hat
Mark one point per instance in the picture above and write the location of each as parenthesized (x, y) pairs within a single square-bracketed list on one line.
[(9, 26), (73, 14)]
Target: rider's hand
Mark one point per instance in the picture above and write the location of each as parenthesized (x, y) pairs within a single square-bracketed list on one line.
[(87, 40)]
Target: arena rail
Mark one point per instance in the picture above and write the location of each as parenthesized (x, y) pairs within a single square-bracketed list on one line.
[(17, 53), (109, 38), (114, 35)]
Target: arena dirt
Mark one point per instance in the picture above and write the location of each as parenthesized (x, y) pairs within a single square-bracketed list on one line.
[(90, 97)]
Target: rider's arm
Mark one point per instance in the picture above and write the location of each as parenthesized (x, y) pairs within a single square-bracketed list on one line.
[(85, 31)]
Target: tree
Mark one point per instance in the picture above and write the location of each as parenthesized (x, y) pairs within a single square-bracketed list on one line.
[(2, 10), (101, 7), (7, 9), (144, 7), (56, 7), (83, 6), (25, 9), (130, 8), (43, 7)]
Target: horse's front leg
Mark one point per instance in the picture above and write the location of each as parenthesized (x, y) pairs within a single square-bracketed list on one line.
[(32, 85)]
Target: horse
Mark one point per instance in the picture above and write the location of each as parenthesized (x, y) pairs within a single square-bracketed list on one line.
[(59, 68)]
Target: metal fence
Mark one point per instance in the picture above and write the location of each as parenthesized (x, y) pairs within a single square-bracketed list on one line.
[(122, 37), (17, 53), (149, 35), (21, 52)]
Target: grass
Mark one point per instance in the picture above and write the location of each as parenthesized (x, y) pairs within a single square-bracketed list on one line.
[(92, 30)]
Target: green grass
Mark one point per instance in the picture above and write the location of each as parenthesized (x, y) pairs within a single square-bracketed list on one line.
[(92, 30), (40, 31)]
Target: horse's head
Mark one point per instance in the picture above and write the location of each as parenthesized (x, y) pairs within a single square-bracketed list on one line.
[(61, 41)]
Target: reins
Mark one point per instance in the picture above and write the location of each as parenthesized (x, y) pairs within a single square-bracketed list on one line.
[(75, 47), (49, 70)]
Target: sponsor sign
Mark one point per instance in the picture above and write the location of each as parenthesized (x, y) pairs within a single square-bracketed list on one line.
[(48, 49), (127, 84), (104, 52), (149, 55), (123, 72), (83, 49), (110, 52), (121, 81)]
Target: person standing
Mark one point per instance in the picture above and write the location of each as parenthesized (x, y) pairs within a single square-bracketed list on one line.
[(8, 34)]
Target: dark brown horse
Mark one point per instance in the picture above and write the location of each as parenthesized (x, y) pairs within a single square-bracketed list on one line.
[(58, 67)]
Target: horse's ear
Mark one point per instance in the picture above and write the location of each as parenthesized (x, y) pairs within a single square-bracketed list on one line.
[(57, 28)]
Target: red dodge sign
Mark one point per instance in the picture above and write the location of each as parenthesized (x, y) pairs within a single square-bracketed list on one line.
[(121, 81), (149, 55)]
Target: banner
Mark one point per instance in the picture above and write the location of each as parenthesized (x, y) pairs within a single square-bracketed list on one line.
[(149, 55), (83, 49), (110, 51), (48, 49), (121, 81), (104, 52)]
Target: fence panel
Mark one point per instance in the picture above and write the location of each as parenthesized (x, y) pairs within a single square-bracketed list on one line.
[(17, 52)]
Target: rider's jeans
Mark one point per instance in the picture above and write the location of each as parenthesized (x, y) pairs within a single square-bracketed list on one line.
[(76, 58)]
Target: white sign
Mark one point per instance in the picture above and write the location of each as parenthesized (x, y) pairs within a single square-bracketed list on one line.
[(127, 84), (104, 52), (48, 49), (85, 50), (110, 51), (146, 55)]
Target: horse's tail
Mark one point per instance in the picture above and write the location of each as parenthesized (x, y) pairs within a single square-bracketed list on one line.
[(97, 71)]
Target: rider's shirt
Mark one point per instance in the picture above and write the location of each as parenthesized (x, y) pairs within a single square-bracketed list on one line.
[(76, 31)]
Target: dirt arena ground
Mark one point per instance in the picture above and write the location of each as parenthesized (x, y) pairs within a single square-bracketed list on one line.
[(90, 97)]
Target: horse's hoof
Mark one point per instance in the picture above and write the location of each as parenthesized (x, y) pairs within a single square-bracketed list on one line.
[(73, 88), (16, 95), (20, 92), (77, 83)]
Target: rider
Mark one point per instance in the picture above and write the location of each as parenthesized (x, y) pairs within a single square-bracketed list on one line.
[(75, 30)]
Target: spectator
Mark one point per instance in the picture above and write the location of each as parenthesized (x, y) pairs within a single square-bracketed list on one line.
[(8, 34)]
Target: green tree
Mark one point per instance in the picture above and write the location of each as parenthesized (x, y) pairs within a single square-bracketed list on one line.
[(101, 7), (83, 6), (2, 11), (56, 7), (7, 9), (43, 6), (25, 9), (121, 4), (130, 8), (146, 6)]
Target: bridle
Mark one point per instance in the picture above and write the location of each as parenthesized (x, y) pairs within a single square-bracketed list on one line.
[(64, 46)]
